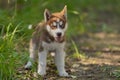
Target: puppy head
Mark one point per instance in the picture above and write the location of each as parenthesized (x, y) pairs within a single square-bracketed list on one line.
[(56, 23)]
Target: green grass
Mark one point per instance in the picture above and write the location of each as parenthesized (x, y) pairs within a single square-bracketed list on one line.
[(10, 59), (116, 73), (14, 33)]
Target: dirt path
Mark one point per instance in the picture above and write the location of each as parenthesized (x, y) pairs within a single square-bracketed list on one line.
[(103, 56)]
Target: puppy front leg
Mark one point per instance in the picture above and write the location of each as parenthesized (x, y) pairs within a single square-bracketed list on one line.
[(42, 63), (60, 63)]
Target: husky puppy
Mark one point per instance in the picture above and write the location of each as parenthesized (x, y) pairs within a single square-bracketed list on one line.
[(49, 36)]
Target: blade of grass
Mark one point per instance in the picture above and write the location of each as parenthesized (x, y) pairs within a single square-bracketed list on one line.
[(77, 54)]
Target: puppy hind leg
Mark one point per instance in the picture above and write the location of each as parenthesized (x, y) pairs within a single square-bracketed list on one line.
[(32, 56)]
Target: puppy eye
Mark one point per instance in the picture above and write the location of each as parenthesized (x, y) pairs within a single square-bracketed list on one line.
[(61, 24)]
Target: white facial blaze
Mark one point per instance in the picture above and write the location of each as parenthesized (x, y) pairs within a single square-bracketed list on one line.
[(60, 22)]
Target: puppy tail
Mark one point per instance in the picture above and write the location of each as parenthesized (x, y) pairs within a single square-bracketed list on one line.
[(30, 26)]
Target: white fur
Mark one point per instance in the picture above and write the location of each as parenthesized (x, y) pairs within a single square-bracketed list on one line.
[(53, 45), (42, 62), (60, 63), (28, 65)]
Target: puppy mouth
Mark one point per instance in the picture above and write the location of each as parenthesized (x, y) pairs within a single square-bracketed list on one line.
[(58, 39)]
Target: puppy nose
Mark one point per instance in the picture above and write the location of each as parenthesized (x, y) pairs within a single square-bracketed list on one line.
[(59, 34)]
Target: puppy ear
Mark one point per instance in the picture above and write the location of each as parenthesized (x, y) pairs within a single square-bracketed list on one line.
[(47, 15), (64, 11)]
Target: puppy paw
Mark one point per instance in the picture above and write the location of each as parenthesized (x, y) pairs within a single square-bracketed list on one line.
[(41, 73), (63, 74), (28, 65)]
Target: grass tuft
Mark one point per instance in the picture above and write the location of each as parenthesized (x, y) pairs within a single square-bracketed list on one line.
[(9, 58), (77, 54), (116, 74)]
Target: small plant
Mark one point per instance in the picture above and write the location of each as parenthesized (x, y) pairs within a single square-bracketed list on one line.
[(116, 74), (77, 54)]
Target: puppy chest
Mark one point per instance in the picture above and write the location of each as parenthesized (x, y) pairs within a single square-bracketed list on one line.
[(52, 46)]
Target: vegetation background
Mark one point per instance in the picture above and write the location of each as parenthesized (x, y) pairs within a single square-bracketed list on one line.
[(93, 38)]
